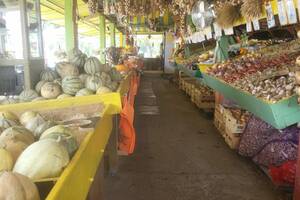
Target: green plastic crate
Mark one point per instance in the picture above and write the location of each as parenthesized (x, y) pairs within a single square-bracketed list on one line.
[(280, 115)]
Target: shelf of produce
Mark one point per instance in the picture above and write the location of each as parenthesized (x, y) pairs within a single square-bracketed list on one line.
[(79, 173), (203, 67), (280, 115)]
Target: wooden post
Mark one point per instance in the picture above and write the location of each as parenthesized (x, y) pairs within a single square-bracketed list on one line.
[(112, 30), (71, 32), (102, 38)]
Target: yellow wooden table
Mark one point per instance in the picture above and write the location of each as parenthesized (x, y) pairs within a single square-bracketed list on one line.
[(75, 181)]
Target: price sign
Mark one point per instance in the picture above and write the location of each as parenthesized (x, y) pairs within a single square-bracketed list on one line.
[(282, 13), (270, 15), (256, 25), (228, 31), (249, 26), (291, 11), (218, 30)]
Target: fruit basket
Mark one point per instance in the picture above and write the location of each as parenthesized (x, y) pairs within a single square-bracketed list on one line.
[(280, 114)]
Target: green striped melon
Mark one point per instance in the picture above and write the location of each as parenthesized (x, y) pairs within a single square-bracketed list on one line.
[(9, 100), (93, 83), (48, 75), (28, 95), (75, 52), (93, 66), (79, 61), (83, 77), (113, 86), (50, 90), (66, 69), (84, 92), (39, 85), (71, 85)]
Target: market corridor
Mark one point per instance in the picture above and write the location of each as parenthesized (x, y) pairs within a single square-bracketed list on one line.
[(180, 155)]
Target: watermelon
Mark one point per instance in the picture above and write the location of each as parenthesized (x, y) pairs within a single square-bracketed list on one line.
[(93, 83), (48, 75), (28, 95), (84, 92)]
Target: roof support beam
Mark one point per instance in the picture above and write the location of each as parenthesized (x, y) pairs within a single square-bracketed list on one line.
[(71, 32), (112, 30)]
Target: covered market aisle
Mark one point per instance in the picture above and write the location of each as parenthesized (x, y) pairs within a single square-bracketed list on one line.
[(180, 155)]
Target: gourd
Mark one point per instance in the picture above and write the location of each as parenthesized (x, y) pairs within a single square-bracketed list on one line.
[(39, 99), (75, 52), (31, 120), (113, 86), (39, 85), (66, 69), (7, 120), (14, 186), (43, 159), (103, 90), (71, 85), (6, 160), (9, 100), (83, 77), (93, 66), (28, 95), (15, 147), (121, 68), (66, 139), (55, 129), (79, 61), (93, 83), (17, 133), (63, 96), (48, 75), (105, 77), (42, 128), (84, 92), (50, 90)]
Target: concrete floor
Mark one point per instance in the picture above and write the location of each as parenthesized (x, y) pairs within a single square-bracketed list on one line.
[(180, 155)]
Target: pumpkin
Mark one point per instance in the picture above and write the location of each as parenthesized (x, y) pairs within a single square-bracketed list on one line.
[(15, 147), (43, 159), (18, 133), (93, 65), (103, 90), (48, 75), (71, 85), (6, 160), (28, 95), (14, 186), (39, 85), (50, 90), (66, 139), (93, 83), (83, 77), (84, 92), (66, 69), (121, 68), (63, 96), (42, 128)]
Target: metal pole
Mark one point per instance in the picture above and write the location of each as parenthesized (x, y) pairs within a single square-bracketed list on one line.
[(102, 32), (112, 34)]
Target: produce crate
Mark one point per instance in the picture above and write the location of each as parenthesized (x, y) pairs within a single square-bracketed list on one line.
[(232, 124), (219, 119), (232, 140), (280, 115)]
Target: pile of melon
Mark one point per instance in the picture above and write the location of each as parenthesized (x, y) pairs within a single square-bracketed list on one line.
[(32, 148), (81, 76)]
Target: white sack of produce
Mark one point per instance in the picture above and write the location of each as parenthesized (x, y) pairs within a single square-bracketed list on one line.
[(43, 159), (14, 186)]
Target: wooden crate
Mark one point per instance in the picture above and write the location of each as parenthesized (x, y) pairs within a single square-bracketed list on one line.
[(232, 140)]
